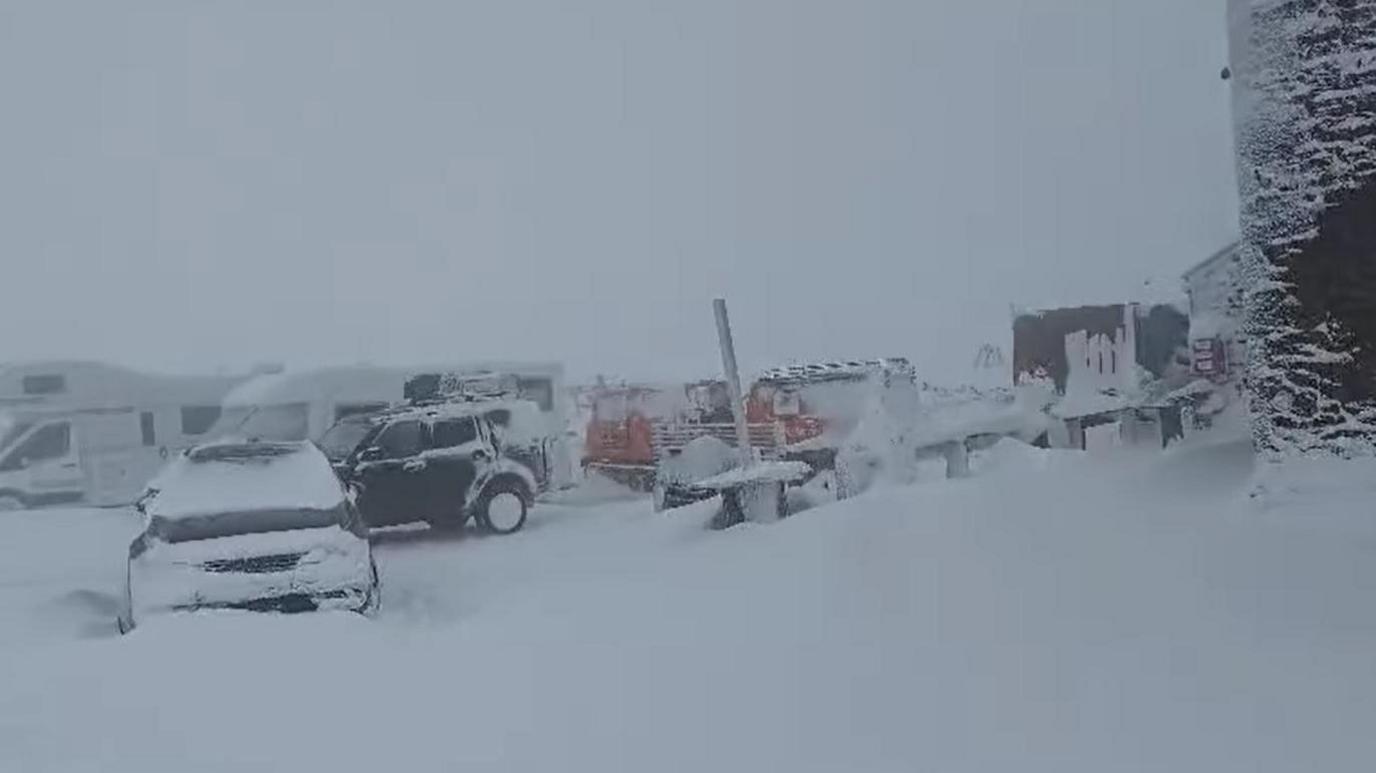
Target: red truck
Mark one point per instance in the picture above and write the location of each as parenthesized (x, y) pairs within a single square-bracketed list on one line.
[(637, 433)]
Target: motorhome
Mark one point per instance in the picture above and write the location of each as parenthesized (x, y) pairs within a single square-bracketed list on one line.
[(93, 433), (301, 405)]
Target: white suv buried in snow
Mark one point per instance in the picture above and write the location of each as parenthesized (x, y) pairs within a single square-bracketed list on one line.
[(251, 526)]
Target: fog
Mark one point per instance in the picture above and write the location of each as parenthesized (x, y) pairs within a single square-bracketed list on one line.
[(192, 186)]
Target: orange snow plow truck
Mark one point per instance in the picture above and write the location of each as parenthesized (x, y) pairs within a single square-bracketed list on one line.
[(653, 437), (620, 438)]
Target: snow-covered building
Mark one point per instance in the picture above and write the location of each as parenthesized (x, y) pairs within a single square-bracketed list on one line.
[(1109, 366), (1096, 348), (1215, 320)]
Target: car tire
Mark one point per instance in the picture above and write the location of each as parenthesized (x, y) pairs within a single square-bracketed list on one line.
[(503, 506), (9, 504)]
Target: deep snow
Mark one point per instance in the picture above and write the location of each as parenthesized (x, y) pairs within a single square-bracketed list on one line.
[(1053, 613)]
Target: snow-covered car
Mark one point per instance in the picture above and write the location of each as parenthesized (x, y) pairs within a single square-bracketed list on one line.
[(441, 463), (253, 526)]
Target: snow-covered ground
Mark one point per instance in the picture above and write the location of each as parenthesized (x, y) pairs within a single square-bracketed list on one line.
[(1053, 613)]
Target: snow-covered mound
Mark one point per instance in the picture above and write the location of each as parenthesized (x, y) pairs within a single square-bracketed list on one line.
[(1053, 613)]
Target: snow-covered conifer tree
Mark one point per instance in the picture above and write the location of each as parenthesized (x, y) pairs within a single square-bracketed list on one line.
[(1304, 102)]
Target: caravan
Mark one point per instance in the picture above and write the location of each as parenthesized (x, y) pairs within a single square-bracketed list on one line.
[(301, 405), (91, 433)]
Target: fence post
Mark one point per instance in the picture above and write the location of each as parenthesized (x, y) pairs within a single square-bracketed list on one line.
[(733, 379)]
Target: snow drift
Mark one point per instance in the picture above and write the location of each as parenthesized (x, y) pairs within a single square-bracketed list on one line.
[(1054, 613)]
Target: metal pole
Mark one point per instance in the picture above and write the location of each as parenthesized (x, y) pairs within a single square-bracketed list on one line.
[(733, 380)]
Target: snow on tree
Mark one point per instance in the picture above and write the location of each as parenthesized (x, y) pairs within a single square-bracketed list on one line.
[(1304, 103)]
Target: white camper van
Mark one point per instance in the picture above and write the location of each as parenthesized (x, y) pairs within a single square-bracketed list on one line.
[(303, 405), (91, 433)]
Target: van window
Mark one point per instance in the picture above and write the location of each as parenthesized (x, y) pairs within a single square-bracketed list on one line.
[(287, 422), (538, 390), (345, 410), (451, 433), (45, 384), (198, 419), (150, 438), (53, 441)]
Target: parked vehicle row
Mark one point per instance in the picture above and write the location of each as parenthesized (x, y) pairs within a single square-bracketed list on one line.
[(74, 432), (270, 525)]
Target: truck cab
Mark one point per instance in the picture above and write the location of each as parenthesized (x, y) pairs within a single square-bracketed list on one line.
[(39, 465), (92, 457)]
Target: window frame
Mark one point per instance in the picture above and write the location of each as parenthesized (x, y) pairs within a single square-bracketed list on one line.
[(422, 441), (42, 384), (148, 429), (200, 412), (470, 421)]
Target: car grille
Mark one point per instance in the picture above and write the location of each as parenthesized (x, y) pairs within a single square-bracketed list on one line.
[(282, 562), (289, 604)]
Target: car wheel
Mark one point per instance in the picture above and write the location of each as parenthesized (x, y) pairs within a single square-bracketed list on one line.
[(502, 508), (10, 503)]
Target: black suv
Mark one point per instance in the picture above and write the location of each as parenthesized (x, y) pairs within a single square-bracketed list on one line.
[(439, 464)]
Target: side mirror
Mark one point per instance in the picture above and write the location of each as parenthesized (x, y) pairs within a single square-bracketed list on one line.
[(370, 454), (480, 455)]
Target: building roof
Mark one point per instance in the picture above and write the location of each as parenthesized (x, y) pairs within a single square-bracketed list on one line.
[(1223, 254)]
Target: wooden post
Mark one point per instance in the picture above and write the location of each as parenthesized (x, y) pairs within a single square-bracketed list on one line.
[(733, 380)]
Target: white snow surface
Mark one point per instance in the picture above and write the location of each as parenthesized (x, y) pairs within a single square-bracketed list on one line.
[(1053, 613), (761, 472), (301, 478)]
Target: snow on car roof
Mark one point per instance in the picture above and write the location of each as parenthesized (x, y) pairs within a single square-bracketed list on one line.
[(454, 407), (237, 476)]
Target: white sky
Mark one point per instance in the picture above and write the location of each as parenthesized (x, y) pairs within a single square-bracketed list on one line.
[(190, 185)]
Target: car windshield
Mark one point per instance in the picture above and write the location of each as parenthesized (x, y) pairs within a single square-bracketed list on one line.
[(190, 529), (344, 437)]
